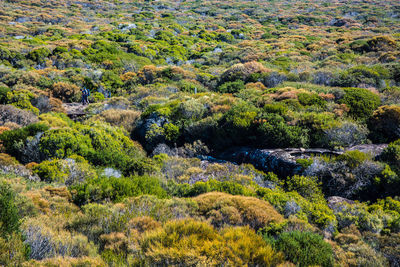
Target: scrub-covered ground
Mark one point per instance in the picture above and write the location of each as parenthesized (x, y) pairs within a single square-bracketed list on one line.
[(132, 179)]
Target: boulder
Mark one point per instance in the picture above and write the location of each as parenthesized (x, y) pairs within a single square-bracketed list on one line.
[(342, 22), (335, 201)]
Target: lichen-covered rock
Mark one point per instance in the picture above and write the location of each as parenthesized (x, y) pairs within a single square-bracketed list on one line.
[(283, 162), (280, 161)]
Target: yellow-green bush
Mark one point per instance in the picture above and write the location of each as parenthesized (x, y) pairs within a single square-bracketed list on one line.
[(56, 120), (6, 160), (22, 99), (292, 203), (13, 252), (189, 242), (74, 169), (67, 262), (100, 143)]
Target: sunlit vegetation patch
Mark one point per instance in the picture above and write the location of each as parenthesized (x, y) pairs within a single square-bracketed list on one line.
[(235, 133)]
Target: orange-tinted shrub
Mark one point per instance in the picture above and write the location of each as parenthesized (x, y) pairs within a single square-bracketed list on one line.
[(223, 208)]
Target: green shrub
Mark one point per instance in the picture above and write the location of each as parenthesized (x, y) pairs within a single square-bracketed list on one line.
[(307, 99), (60, 50), (277, 108), (14, 140), (198, 188), (241, 115), (39, 55), (280, 134), (100, 143), (64, 142), (9, 218), (391, 155), (190, 86), (315, 124), (3, 94), (292, 203), (73, 170), (395, 73), (96, 97), (305, 249), (361, 75), (361, 102), (231, 87), (50, 171), (305, 163), (385, 124), (22, 99), (55, 120), (171, 132), (111, 80), (308, 187), (353, 158), (116, 189)]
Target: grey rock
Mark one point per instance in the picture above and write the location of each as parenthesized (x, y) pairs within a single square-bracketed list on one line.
[(374, 149), (110, 172), (345, 22), (335, 201), (283, 161), (23, 19), (280, 161), (217, 50)]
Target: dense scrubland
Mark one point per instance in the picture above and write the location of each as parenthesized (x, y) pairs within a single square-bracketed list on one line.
[(134, 181)]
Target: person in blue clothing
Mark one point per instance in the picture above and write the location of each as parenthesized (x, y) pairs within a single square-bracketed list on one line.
[(85, 95)]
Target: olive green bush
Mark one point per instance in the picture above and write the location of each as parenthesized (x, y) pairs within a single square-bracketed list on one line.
[(9, 217), (361, 102), (384, 124), (13, 141), (305, 248)]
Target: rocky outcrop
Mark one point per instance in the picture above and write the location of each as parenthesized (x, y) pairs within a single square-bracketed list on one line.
[(280, 161), (374, 149), (344, 22), (336, 201), (283, 162), (75, 111)]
